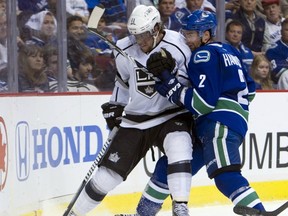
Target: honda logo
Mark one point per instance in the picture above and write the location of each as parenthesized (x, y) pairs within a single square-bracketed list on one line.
[(22, 146)]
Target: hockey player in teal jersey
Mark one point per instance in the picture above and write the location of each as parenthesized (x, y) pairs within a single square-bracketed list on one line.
[(219, 99)]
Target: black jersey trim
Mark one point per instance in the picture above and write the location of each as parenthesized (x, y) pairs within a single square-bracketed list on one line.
[(143, 118), (179, 51), (124, 49)]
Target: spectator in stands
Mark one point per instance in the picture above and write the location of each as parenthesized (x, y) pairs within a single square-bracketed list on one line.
[(83, 66), (106, 30), (52, 6), (32, 6), (105, 79), (254, 26), (145, 2), (86, 73), (231, 6), (284, 8), (51, 70), (78, 8), (273, 20), (204, 5), (115, 16), (51, 60), (191, 5), (104, 74), (278, 56), (180, 4), (234, 32), (32, 76), (76, 28), (115, 12), (261, 73), (3, 52), (42, 28), (3, 84), (3, 41), (3, 5), (166, 9), (91, 4), (183, 3)]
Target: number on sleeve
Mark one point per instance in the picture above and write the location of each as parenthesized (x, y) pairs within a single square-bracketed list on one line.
[(242, 95), (273, 64), (202, 78)]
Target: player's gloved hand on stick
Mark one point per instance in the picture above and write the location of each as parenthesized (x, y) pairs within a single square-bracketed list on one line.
[(159, 62), (112, 114), (170, 88)]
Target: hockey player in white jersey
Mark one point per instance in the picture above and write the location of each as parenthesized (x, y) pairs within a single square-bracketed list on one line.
[(149, 119)]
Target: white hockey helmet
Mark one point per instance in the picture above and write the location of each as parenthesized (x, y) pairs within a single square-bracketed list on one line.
[(142, 19)]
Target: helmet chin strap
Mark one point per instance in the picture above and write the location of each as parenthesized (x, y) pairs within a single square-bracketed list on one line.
[(155, 36), (204, 43)]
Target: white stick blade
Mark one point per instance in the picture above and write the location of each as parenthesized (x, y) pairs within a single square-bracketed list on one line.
[(95, 16)]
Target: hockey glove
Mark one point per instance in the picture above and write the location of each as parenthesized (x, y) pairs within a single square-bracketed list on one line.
[(170, 88), (159, 62), (112, 114)]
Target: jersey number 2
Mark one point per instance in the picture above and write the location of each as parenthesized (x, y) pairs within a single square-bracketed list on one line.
[(202, 78), (242, 95)]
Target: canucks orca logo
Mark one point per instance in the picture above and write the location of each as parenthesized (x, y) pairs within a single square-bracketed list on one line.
[(202, 56)]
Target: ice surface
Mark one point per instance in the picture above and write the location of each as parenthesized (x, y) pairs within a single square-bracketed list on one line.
[(226, 210)]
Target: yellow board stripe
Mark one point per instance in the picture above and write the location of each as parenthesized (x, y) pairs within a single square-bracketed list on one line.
[(199, 196)]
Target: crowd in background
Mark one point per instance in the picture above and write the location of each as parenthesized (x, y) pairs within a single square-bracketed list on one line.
[(257, 28)]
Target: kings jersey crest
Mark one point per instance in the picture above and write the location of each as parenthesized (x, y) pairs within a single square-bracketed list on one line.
[(145, 83)]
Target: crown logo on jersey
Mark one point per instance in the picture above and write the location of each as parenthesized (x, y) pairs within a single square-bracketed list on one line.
[(149, 90), (179, 123), (114, 157), (145, 84)]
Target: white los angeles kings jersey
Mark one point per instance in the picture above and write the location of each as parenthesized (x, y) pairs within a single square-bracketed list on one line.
[(145, 107)]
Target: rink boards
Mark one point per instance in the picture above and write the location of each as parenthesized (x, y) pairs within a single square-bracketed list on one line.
[(48, 143)]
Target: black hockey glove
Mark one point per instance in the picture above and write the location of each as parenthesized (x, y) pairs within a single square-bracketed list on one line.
[(170, 88), (159, 62), (112, 114)]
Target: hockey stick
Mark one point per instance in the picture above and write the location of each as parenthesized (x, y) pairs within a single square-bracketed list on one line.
[(244, 210), (91, 170), (92, 27)]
